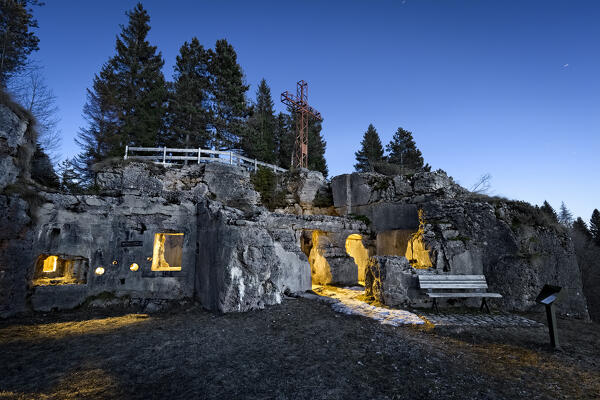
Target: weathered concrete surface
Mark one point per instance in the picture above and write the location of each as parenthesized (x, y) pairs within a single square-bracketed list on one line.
[(465, 234)]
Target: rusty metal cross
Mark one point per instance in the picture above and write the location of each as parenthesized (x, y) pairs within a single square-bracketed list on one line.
[(299, 104)]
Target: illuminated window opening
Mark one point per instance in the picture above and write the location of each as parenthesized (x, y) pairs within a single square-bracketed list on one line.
[(356, 250), (167, 252), (52, 269), (50, 264)]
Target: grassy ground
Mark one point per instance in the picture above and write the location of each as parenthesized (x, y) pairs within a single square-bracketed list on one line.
[(298, 350)]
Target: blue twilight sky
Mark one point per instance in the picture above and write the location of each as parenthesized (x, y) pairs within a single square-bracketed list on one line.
[(510, 88)]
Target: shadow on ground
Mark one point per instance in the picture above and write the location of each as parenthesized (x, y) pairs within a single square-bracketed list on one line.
[(301, 349)]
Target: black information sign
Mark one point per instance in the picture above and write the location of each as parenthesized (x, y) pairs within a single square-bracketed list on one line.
[(132, 243)]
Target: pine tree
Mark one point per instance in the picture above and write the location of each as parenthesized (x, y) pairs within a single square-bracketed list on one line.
[(42, 170), (69, 179), (101, 133), (403, 151), (284, 140), (229, 97), (371, 151), (316, 148), (259, 137), (595, 226), (580, 226), (564, 216), (17, 41), (549, 211), (126, 103), (189, 101), (140, 90)]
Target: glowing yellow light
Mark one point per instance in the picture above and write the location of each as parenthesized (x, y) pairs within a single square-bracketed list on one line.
[(99, 271), (115, 262), (319, 267), (416, 252), (134, 267), (149, 258), (167, 252), (50, 264), (356, 250)]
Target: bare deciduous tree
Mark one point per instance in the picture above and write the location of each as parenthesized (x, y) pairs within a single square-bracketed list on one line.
[(30, 90), (483, 184)]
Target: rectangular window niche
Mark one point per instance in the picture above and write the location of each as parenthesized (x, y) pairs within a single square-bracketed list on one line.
[(167, 252)]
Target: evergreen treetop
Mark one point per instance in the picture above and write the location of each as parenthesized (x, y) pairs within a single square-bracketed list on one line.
[(371, 151), (403, 151), (139, 85), (549, 211), (259, 138), (595, 226), (565, 217), (580, 226), (229, 97), (126, 104), (316, 148), (189, 99), (17, 40)]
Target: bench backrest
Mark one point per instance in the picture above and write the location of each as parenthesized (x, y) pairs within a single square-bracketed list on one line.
[(452, 282)]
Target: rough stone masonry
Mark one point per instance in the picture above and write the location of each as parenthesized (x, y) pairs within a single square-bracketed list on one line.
[(154, 235)]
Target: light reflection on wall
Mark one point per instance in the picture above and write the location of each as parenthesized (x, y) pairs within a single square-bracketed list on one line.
[(168, 251), (356, 250), (417, 254), (407, 243), (319, 267)]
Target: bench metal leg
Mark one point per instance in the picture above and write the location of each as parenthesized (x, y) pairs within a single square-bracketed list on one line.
[(434, 306), (484, 304)]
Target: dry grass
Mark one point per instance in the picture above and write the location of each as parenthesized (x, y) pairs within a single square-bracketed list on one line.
[(298, 350)]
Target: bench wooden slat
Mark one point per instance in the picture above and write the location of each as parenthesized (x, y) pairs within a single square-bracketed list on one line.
[(435, 277), (465, 294), (454, 286)]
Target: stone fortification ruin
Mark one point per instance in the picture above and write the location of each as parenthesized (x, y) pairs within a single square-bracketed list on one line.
[(152, 235)]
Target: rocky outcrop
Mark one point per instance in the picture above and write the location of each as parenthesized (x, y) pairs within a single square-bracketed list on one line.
[(151, 235), (509, 242), (16, 202)]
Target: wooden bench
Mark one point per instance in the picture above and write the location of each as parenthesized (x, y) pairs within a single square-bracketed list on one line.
[(456, 286)]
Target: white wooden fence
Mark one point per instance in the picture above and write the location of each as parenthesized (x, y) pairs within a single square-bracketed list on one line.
[(166, 156)]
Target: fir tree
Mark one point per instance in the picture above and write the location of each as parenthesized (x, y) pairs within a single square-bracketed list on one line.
[(595, 226), (126, 103), (316, 148), (101, 133), (580, 226), (547, 209), (564, 216), (403, 151), (17, 41), (189, 100), (69, 178), (284, 140), (371, 151), (139, 85), (259, 137), (229, 97), (42, 170)]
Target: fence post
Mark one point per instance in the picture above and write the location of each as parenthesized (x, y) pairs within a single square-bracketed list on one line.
[(199, 152), (255, 165), (274, 168), (165, 156), (126, 149), (230, 158)]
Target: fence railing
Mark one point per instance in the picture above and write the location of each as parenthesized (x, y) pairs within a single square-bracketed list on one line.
[(166, 156)]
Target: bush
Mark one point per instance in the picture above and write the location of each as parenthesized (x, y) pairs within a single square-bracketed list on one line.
[(265, 183), (324, 197)]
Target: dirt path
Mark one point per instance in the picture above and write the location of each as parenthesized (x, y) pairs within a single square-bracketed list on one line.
[(301, 349)]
